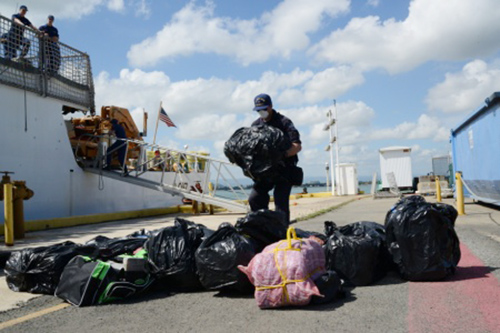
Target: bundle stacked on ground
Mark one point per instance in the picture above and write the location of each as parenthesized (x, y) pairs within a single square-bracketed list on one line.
[(218, 257), (283, 273), (357, 252), (422, 240)]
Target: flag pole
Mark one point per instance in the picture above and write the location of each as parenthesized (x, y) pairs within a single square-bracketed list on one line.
[(156, 130)]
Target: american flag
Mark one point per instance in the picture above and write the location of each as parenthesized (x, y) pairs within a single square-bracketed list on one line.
[(166, 119)]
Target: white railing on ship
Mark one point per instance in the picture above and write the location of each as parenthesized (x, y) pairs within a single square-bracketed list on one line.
[(215, 172)]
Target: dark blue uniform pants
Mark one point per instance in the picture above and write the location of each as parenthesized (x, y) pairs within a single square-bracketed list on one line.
[(119, 147), (259, 197)]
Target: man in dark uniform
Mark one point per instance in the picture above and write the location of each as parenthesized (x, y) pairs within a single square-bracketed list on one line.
[(259, 197), (119, 146), (51, 51), (15, 39)]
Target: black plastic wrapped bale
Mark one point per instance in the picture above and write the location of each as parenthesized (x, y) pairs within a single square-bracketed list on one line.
[(258, 150), (422, 240), (218, 257), (330, 287), (102, 247), (38, 270), (4, 256), (264, 226), (306, 234), (357, 252), (171, 254)]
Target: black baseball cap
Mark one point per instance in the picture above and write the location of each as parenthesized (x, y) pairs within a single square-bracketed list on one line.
[(23, 7), (51, 17), (262, 101)]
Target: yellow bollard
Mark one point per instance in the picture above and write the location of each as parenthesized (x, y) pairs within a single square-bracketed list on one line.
[(9, 214), (438, 190), (460, 193)]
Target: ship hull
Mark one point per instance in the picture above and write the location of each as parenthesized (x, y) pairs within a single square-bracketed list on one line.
[(36, 148)]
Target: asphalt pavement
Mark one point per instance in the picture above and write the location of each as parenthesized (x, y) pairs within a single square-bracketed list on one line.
[(464, 302)]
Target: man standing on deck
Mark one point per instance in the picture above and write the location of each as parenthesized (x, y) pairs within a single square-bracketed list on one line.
[(15, 39), (51, 51), (259, 197), (119, 146)]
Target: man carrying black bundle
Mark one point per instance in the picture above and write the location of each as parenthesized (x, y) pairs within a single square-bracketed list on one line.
[(259, 197)]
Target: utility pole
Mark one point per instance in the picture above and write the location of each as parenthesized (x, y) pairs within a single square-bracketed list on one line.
[(327, 166), (340, 190), (329, 148)]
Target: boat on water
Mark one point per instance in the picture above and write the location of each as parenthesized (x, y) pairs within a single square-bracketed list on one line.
[(59, 154), (476, 151)]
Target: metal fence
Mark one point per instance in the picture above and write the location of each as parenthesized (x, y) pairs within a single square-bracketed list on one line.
[(29, 60)]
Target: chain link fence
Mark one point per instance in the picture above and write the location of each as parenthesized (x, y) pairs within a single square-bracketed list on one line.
[(30, 61)]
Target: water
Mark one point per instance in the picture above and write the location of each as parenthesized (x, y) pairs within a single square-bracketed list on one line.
[(366, 188)]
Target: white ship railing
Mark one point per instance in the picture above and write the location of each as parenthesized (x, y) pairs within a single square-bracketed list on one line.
[(30, 61), (205, 179)]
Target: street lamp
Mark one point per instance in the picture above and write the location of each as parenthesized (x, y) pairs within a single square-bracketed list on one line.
[(327, 166), (328, 127)]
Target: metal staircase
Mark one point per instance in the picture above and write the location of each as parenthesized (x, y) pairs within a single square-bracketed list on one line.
[(188, 174)]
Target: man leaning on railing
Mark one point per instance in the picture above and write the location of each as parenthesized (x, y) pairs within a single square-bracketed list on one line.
[(51, 54), (14, 39)]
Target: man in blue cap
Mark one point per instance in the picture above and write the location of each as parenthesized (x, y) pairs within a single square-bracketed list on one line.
[(259, 196), (51, 51), (15, 39)]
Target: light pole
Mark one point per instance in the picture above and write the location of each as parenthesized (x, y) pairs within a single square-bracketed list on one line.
[(340, 190), (327, 166), (329, 148)]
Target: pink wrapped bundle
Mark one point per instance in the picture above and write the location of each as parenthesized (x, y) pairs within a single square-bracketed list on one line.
[(283, 272)]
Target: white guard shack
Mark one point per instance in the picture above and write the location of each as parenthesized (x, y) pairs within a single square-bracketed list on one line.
[(398, 161), (347, 178)]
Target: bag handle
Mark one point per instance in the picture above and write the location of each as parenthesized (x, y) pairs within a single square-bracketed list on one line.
[(291, 234)]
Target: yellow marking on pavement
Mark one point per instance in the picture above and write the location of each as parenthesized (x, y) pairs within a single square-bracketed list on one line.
[(33, 315)]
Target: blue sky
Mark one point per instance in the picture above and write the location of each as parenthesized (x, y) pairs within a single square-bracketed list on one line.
[(403, 73)]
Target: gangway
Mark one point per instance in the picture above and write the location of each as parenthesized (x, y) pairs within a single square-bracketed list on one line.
[(168, 173)]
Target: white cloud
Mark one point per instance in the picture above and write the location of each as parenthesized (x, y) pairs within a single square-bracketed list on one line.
[(373, 3), (116, 5), (433, 30), (143, 8), (38, 10), (74, 9), (426, 127), (331, 83), (196, 29), (462, 92)]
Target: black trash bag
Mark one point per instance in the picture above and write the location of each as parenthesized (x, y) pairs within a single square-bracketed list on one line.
[(171, 254), (264, 226), (422, 240), (330, 286), (306, 234), (4, 256), (357, 252), (37, 270), (218, 257), (102, 247), (259, 151)]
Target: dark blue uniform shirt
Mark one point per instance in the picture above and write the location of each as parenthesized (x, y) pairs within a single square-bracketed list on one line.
[(16, 29), (119, 131), (286, 126), (51, 30)]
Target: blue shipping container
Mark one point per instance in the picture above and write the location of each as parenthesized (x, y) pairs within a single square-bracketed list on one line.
[(476, 151)]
